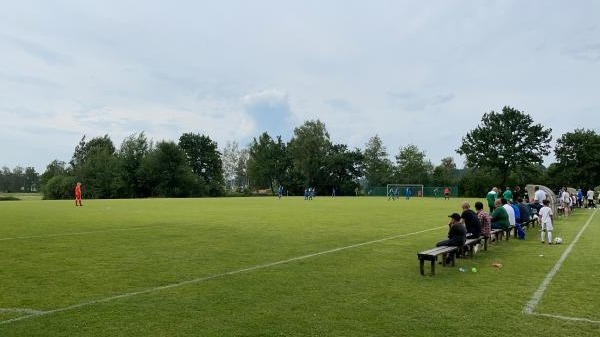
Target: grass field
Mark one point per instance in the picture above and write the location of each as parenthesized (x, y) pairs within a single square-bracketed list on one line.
[(289, 267)]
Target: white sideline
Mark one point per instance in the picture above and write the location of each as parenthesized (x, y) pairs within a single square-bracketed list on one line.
[(21, 310), (37, 313), (108, 230), (537, 296)]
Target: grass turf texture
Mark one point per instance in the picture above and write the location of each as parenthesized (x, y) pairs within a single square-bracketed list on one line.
[(269, 267)]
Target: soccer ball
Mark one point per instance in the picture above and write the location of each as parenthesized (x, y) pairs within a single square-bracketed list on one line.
[(558, 240)]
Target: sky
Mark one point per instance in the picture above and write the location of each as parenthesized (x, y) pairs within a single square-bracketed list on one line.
[(411, 72)]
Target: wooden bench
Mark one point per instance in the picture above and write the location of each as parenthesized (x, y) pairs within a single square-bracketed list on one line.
[(497, 233), (471, 243), (432, 255)]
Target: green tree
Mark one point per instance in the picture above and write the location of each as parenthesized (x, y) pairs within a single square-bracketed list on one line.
[(131, 154), (308, 149), (377, 166), (95, 164), (506, 143), (267, 162), (344, 168), (412, 167), (167, 170), (578, 159), (32, 180), (205, 160), (445, 174), (56, 168)]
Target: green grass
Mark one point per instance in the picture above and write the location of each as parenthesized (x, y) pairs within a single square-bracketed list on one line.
[(269, 267)]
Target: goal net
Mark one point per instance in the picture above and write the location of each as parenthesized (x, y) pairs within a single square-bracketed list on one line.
[(401, 190)]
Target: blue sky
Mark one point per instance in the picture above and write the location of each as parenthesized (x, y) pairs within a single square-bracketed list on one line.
[(412, 72)]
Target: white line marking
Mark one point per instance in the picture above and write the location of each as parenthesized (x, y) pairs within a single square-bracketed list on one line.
[(82, 233), (537, 296), (210, 277), (566, 318), (21, 310)]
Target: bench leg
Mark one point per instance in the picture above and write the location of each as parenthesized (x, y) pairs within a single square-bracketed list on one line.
[(422, 266), (485, 242)]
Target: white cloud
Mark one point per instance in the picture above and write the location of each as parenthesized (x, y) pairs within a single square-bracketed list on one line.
[(410, 72)]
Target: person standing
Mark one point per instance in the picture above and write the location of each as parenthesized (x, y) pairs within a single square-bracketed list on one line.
[(566, 201), (447, 193), (546, 218), (78, 194), (491, 199), (507, 194), (590, 198)]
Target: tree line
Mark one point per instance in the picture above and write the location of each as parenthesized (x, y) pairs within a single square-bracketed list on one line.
[(506, 149)]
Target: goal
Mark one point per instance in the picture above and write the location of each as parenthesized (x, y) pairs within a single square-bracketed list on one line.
[(416, 190)]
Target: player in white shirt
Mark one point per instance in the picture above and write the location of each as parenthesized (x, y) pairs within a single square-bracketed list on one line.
[(545, 218)]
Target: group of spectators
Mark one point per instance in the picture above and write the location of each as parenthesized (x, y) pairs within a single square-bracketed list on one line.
[(506, 211), (568, 201)]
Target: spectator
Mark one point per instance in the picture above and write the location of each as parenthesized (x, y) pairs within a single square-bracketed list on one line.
[(579, 198), (499, 216), (510, 211), (484, 220), (524, 211), (516, 193), (457, 234), (507, 194), (590, 198), (566, 201), (470, 220), (491, 198)]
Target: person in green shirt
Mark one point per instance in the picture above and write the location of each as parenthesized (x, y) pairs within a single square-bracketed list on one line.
[(499, 216), (491, 198), (508, 194)]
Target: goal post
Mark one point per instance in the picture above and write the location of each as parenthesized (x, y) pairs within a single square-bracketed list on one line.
[(415, 190)]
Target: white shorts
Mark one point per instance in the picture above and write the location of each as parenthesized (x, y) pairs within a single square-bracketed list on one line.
[(547, 226)]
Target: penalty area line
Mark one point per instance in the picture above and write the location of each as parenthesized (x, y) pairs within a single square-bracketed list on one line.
[(537, 296), (36, 313)]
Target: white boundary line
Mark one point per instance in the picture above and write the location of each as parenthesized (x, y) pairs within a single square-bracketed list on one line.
[(531, 305), (38, 313), (21, 310), (107, 230)]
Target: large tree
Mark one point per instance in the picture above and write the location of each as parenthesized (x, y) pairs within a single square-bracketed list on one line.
[(131, 154), (412, 167), (344, 168), (166, 169), (95, 164), (308, 148), (267, 162), (205, 160), (506, 143), (378, 167), (578, 159), (445, 174)]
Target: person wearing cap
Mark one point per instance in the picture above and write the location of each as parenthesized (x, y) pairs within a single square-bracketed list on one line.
[(457, 232)]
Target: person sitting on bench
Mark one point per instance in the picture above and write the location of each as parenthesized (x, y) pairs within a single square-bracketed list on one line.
[(457, 234), (471, 221)]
